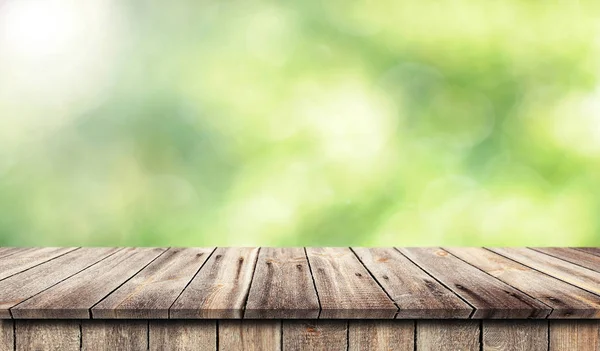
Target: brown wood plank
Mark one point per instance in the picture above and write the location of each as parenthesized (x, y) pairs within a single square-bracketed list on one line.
[(591, 250), (577, 335), (490, 297), (29, 257), (416, 293), (47, 335), (566, 300), (581, 258), (328, 335), (345, 288), (515, 335), (73, 298), (110, 335), (221, 287), (381, 335), (560, 269), (21, 286), (7, 335), (150, 293), (255, 335), (282, 286), (447, 335), (183, 335)]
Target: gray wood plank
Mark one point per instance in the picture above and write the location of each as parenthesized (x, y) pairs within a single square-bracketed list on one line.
[(577, 335), (74, 297), (150, 293), (7, 251), (183, 335), (28, 258), (40, 335), (515, 335), (566, 300), (328, 335), (381, 335), (416, 293), (6, 335), (255, 335), (282, 286), (490, 297), (345, 288), (563, 270), (581, 258), (21, 286), (221, 287), (447, 335), (111, 335)]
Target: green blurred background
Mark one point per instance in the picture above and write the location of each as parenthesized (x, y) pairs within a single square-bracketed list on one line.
[(392, 122)]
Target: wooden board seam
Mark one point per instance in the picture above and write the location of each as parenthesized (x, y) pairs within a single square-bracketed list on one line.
[(562, 259), (39, 264), (312, 277), (251, 281)]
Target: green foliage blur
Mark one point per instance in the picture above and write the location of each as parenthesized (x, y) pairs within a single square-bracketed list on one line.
[(279, 123)]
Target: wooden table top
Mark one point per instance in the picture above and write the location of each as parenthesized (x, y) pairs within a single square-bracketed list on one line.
[(299, 283)]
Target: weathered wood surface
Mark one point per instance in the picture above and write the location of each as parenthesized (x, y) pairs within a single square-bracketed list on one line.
[(74, 297), (490, 297), (315, 335), (282, 286), (381, 335), (7, 334), (110, 335), (581, 335), (254, 335), (566, 300), (299, 283), (47, 335), (415, 292), (345, 288), (221, 287), (182, 335), (447, 335), (515, 335), (151, 292)]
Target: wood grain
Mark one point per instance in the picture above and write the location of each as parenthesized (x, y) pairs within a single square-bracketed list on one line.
[(566, 300), (282, 286), (381, 335), (183, 335), (47, 335), (29, 257), (315, 335), (416, 293), (6, 335), (111, 335), (256, 335), (560, 269), (581, 258), (490, 297), (21, 286), (591, 250), (150, 293), (577, 335), (447, 335), (221, 287), (515, 335), (345, 288), (74, 297)]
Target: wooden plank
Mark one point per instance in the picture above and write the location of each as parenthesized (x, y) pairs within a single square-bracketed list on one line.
[(47, 335), (381, 335), (20, 287), (150, 293), (345, 288), (282, 286), (490, 297), (566, 300), (447, 335), (328, 335), (29, 257), (416, 293), (183, 335), (591, 250), (515, 335), (7, 251), (255, 335), (560, 269), (7, 335), (577, 335), (221, 287), (110, 335), (74, 297), (581, 258)]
